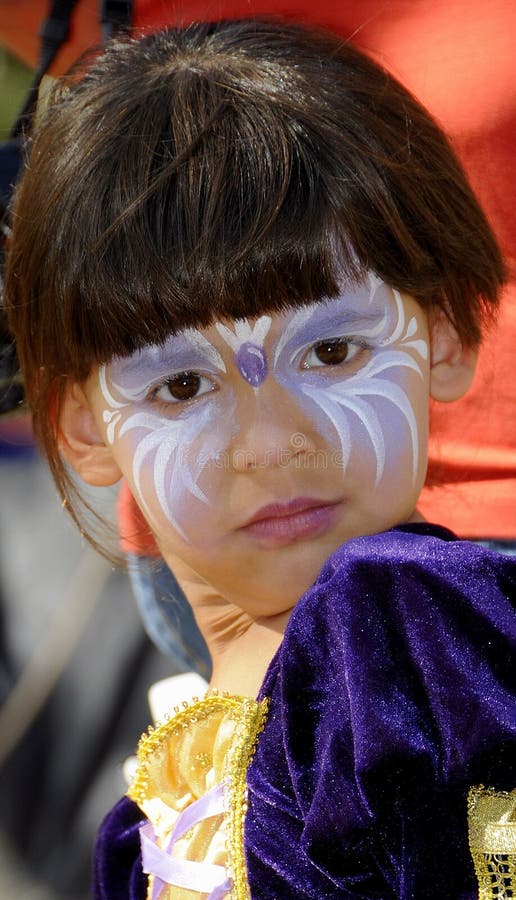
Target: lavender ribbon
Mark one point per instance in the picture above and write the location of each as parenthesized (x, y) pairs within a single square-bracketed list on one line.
[(197, 876)]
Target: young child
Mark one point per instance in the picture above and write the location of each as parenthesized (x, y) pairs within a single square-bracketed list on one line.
[(243, 261)]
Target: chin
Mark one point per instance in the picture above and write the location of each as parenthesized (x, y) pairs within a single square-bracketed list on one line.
[(283, 593)]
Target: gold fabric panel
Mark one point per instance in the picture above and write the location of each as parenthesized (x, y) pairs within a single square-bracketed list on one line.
[(209, 742)]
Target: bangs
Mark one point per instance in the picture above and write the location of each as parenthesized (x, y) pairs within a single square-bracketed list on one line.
[(222, 171), (220, 210), (198, 249)]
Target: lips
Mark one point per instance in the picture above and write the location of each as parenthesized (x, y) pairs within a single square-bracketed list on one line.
[(282, 523)]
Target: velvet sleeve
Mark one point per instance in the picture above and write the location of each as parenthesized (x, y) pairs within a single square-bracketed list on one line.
[(392, 693), (117, 868)]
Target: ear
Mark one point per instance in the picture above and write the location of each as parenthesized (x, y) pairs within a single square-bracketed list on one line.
[(452, 366), (81, 443)]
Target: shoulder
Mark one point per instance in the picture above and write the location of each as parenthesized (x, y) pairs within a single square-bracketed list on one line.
[(419, 548), (409, 636), (415, 571)]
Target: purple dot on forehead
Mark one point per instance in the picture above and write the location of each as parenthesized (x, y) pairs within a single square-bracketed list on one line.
[(252, 364)]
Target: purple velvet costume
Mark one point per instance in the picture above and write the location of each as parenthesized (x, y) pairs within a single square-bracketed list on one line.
[(392, 693)]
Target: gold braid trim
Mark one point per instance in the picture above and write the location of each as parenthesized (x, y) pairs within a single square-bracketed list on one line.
[(251, 725), (492, 841), (250, 717)]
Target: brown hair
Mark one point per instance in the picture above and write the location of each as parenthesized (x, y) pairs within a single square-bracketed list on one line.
[(225, 170)]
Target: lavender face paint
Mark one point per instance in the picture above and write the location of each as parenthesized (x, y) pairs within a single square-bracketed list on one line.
[(359, 398), (366, 409), (161, 445), (252, 364), (247, 343)]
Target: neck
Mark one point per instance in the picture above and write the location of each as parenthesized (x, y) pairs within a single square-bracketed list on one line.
[(239, 666), (241, 647)]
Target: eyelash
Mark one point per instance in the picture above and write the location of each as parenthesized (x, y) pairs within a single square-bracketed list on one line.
[(171, 401), (358, 346)]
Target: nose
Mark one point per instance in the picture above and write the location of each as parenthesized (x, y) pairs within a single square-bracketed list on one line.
[(272, 429)]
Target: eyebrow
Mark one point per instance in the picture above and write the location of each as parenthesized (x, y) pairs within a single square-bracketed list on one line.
[(304, 330), (182, 351)]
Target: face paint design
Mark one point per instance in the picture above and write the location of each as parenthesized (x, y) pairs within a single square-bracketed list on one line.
[(247, 343), (356, 397), (160, 442), (363, 404)]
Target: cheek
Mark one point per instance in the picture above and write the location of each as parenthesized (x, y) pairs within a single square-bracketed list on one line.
[(402, 454), (173, 466), (375, 421)]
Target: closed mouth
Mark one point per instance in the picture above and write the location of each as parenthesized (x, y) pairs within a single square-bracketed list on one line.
[(283, 523)]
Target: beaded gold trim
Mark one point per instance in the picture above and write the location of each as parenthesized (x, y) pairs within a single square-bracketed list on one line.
[(250, 717), (248, 730), (492, 841)]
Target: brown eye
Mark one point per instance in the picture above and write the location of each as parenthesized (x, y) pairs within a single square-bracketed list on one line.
[(183, 387), (331, 353)]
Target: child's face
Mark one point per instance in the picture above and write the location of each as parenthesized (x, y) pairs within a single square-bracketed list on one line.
[(255, 448)]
